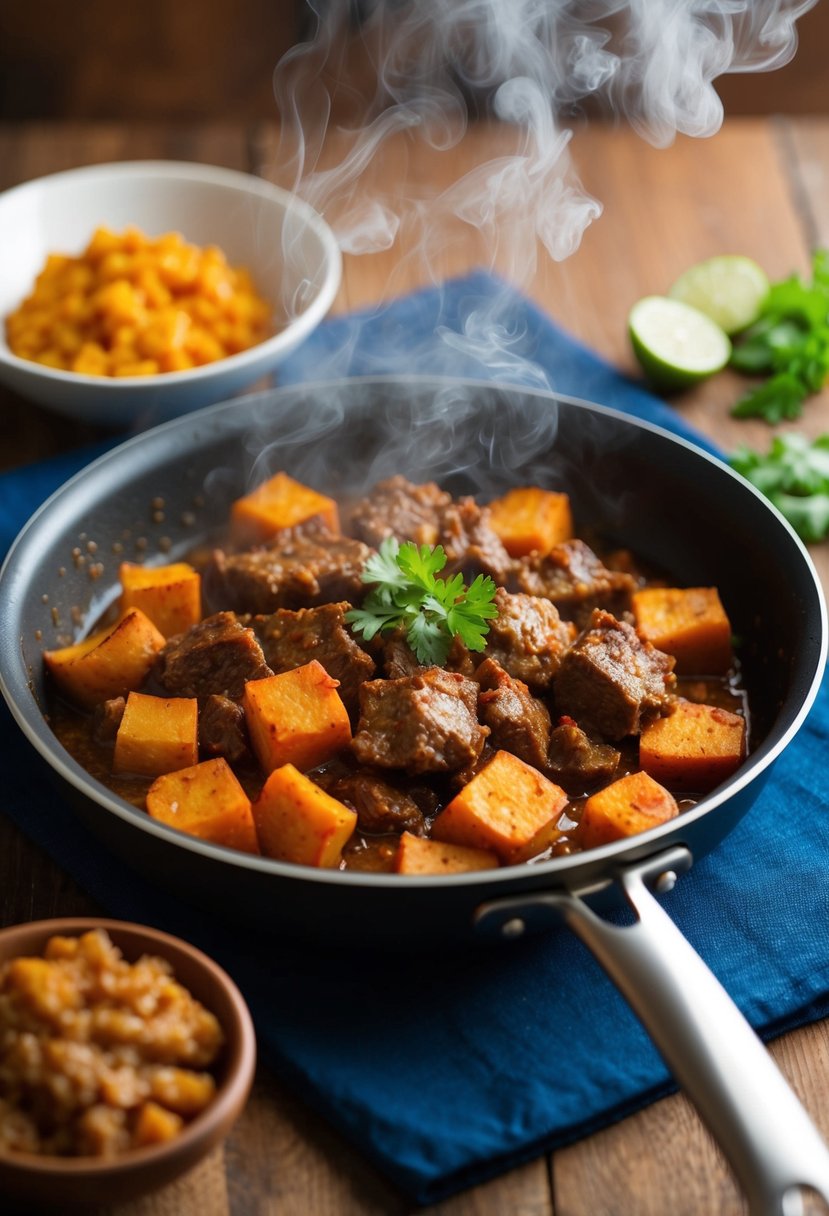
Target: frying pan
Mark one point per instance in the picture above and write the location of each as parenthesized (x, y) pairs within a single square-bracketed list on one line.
[(161, 493)]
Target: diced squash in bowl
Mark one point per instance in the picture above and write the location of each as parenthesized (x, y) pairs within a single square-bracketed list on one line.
[(419, 855), (688, 622), (298, 821), (281, 502), (110, 663), (169, 595), (296, 717), (694, 748), (626, 807), (207, 801), (508, 808), (531, 520), (156, 735)]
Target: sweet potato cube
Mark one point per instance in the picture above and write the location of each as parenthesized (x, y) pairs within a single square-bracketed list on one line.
[(296, 717), (418, 855), (508, 808), (280, 503), (207, 801), (110, 663), (155, 1125), (694, 748), (298, 821), (624, 808), (529, 519), (169, 595), (688, 622), (156, 735)]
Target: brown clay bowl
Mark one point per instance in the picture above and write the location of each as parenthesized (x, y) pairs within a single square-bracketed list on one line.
[(38, 1182)]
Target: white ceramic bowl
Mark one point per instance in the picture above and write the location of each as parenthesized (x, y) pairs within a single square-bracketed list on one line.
[(288, 248)]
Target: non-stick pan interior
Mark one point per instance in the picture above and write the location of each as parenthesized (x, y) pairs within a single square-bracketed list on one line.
[(167, 490)]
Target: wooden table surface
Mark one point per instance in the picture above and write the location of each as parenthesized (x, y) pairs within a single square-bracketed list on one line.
[(761, 187)]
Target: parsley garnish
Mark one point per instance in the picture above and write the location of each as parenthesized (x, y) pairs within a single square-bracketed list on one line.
[(789, 344), (432, 610), (794, 475)]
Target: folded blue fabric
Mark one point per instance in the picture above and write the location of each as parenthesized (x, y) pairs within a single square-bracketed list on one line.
[(449, 1071)]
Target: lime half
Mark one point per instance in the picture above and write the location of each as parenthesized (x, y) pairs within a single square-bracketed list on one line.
[(676, 345), (730, 289)]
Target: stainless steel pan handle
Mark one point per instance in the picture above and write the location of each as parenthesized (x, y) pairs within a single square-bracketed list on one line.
[(766, 1135)]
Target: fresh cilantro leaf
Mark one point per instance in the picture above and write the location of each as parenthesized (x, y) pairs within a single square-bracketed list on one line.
[(794, 475), (407, 593), (789, 343), (777, 399)]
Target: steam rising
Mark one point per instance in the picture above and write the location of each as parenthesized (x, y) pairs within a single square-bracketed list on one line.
[(536, 67)]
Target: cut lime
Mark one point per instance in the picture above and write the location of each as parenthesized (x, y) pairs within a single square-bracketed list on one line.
[(676, 345), (730, 289)]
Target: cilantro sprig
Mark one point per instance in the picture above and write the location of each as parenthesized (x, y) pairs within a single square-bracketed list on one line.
[(408, 593), (794, 475), (788, 344)]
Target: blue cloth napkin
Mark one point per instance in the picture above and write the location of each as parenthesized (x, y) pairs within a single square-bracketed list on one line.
[(447, 1071)]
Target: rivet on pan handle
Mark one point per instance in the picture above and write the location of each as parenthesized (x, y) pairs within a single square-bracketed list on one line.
[(766, 1135)]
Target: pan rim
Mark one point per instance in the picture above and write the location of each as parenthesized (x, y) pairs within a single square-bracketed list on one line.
[(554, 871)]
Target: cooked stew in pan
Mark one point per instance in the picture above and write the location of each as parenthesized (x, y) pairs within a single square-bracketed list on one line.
[(410, 682)]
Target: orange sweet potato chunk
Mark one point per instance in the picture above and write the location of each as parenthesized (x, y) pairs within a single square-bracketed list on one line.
[(207, 801), (110, 663), (156, 735), (296, 717), (280, 503), (169, 595), (418, 855), (624, 808), (508, 808), (529, 519), (694, 748), (688, 622), (298, 821)]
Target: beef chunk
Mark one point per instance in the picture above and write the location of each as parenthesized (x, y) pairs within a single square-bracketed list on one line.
[(518, 722), (107, 718), (398, 658), (610, 680), (219, 655), (291, 639), (381, 808), (424, 723), (222, 730), (297, 573), (471, 545), (576, 762), (528, 638), (576, 580), (396, 507)]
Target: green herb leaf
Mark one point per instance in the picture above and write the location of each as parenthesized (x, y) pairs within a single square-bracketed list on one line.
[(789, 342), (407, 593), (794, 475)]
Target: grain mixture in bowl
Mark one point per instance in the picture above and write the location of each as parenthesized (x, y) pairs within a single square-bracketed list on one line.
[(99, 1055), (133, 305)]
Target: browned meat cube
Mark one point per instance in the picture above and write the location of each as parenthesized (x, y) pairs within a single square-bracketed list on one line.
[(296, 573), (528, 638), (424, 723), (396, 507), (219, 655), (576, 580), (576, 762), (381, 808), (106, 718), (471, 545), (609, 679), (518, 722), (222, 730), (291, 639)]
